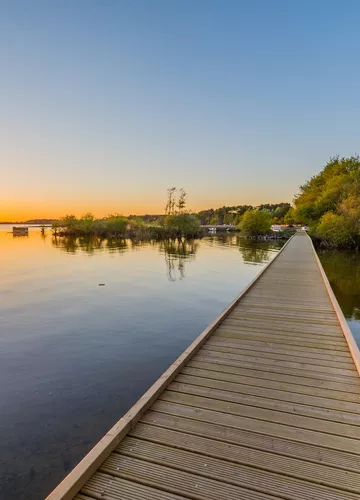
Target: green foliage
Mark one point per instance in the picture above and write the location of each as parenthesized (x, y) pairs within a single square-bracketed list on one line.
[(229, 218), (114, 224), (277, 211), (214, 220), (333, 229), (233, 214), (330, 203), (290, 217), (256, 222), (184, 224), (237, 219), (178, 221)]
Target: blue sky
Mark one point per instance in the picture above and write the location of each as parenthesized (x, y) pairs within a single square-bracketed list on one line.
[(105, 104)]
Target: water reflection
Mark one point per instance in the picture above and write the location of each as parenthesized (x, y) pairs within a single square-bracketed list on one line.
[(88, 244), (257, 252), (343, 272), (176, 252)]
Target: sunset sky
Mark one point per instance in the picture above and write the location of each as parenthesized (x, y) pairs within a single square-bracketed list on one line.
[(106, 104)]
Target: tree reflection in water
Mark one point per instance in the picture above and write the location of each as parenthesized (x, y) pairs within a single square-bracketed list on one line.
[(258, 252), (343, 272), (176, 252), (88, 244)]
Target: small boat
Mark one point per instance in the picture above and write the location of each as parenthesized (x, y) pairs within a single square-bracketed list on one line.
[(20, 231)]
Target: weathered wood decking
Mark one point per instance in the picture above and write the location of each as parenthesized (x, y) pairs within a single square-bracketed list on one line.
[(264, 404)]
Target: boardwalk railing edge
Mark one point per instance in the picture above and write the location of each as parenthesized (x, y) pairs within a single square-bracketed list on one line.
[(76, 479), (354, 349)]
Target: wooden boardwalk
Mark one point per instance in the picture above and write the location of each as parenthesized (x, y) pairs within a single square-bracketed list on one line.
[(265, 404)]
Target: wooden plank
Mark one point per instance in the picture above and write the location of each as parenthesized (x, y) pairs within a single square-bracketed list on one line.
[(347, 369), (176, 481), (268, 297), (184, 418), (282, 326), (277, 352), (226, 402), (281, 339), (280, 400), (227, 472), (266, 428), (252, 303), (284, 335), (231, 360), (257, 345), (227, 391), (105, 487), (233, 366), (280, 313), (278, 390), (234, 453), (279, 317)]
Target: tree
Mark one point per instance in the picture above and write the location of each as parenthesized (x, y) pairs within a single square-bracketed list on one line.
[(229, 218), (178, 221), (181, 203), (116, 224), (214, 220), (171, 201), (86, 223), (184, 224), (329, 203), (290, 217), (238, 219), (333, 230), (255, 222)]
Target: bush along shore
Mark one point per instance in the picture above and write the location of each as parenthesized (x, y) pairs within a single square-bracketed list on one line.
[(177, 222), (329, 203), (117, 226)]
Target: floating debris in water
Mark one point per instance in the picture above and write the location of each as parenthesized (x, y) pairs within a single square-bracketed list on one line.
[(101, 284)]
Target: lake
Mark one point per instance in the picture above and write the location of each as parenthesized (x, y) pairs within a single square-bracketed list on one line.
[(86, 326)]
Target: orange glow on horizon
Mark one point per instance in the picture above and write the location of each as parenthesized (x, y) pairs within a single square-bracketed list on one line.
[(21, 211), (48, 204)]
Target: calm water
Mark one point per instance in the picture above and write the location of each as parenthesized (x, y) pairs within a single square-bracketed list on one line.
[(343, 272), (74, 356)]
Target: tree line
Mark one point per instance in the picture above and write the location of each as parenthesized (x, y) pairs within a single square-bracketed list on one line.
[(329, 203), (177, 220), (233, 214)]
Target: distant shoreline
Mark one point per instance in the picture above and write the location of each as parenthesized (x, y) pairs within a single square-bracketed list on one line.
[(47, 222), (32, 224)]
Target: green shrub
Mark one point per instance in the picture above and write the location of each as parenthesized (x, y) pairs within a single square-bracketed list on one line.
[(256, 222)]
